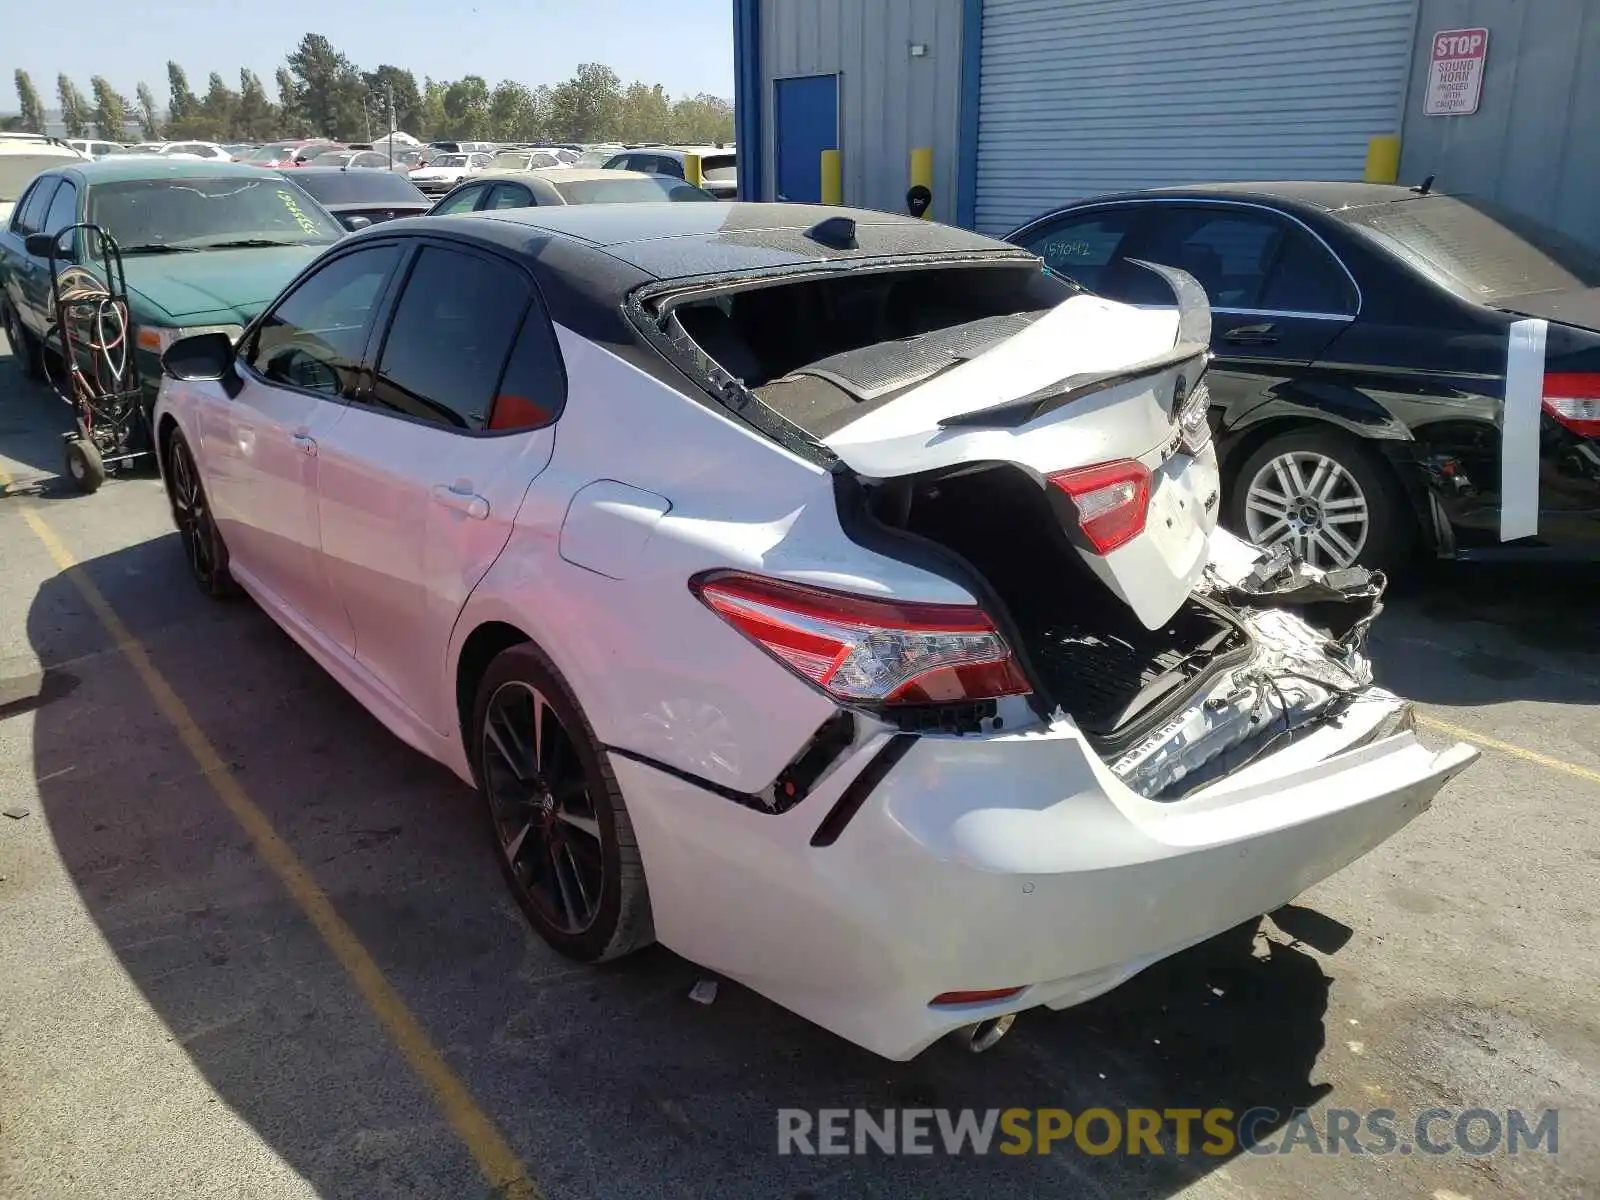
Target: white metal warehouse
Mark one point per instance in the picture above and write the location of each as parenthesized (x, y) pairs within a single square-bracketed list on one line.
[(1028, 104)]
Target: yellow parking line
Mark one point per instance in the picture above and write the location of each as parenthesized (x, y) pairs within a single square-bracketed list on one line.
[(1511, 748), (494, 1156)]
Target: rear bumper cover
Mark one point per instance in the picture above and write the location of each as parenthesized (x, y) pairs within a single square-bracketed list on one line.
[(1013, 860)]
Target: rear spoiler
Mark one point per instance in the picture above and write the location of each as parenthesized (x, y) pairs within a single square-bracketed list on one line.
[(1193, 342)]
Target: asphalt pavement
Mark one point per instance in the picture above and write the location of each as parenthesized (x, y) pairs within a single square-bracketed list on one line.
[(252, 946)]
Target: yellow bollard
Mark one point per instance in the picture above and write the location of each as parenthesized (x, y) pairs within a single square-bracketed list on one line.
[(832, 178), (922, 173), (1383, 159), (691, 170)]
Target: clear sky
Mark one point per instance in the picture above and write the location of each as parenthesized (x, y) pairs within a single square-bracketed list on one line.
[(684, 45)]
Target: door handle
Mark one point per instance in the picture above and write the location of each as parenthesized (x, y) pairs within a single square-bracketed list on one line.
[(306, 442), (462, 499), (1251, 335)]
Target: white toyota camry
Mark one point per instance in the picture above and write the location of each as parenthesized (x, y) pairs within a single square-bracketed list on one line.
[(832, 596)]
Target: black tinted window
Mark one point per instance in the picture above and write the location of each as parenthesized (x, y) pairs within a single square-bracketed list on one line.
[(1228, 250), (1081, 248), (314, 338), (533, 389), (1306, 279), (449, 338)]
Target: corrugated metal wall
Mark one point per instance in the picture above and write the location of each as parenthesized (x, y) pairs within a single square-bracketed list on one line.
[(889, 102), (1534, 143), (1086, 96)]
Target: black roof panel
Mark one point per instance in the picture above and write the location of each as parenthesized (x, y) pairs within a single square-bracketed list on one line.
[(1325, 194), (675, 240)]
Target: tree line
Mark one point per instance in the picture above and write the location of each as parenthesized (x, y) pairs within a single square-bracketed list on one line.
[(321, 93)]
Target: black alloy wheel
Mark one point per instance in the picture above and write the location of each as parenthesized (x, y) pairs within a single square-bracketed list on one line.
[(203, 547), (562, 832)]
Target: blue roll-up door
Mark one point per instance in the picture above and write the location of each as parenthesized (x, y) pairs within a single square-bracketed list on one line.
[(1080, 97)]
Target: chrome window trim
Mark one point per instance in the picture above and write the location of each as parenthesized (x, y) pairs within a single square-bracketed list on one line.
[(1192, 202), (1284, 312)]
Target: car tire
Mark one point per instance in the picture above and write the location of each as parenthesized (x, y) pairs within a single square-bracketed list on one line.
[(203, 547), (24, 346), (560, 830), (1326, 493)]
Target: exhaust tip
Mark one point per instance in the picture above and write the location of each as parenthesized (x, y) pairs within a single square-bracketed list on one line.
[(985, 1035)]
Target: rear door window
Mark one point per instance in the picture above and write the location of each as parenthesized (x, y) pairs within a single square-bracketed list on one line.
[(509, 195), (450, 337), (1228, 250), (1305, 279)]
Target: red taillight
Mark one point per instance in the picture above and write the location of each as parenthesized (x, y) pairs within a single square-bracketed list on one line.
[(1573, 399), (863, 650), (1111, 498)]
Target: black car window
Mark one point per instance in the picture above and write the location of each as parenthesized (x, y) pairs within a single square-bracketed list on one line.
[(509, 195), (461, 201), (313, 339), (1305, 278), (668, 166), (30, 213), (447, 343), (1082, 247), (1228, 250), (533, 390)]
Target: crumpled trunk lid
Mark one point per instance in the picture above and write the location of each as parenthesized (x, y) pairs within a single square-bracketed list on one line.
[(1091, 382)]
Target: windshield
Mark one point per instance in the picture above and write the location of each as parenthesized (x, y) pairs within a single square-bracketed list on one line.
[(270, 154), (17, 172), (626, 190), (148, 215), (1478, 249), (448, 160), (336, 158), (594, 158)]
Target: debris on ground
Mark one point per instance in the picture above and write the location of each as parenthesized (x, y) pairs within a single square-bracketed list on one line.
[(704, 992), (17, 813)]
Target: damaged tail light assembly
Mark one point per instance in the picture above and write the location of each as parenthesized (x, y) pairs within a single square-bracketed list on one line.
[(1112, 500), (1573, 399), (864, 650)]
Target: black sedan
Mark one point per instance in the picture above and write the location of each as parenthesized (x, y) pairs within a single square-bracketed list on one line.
[(358, 197), (1396, 371)]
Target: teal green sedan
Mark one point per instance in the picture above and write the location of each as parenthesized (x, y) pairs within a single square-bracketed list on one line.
[(206, 246)]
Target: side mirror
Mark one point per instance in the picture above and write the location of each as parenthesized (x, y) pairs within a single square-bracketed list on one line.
[(205, 356), (43, 245), (357, 224)]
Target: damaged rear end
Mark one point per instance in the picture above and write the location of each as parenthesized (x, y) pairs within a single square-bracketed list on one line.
[(1140, 716), (1049, 451)]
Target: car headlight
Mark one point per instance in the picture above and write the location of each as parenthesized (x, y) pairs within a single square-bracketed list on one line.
[(156, 338)]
